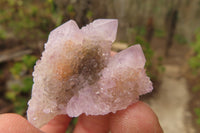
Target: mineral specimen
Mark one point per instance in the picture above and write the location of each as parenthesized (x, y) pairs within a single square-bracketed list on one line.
[(76, 73)]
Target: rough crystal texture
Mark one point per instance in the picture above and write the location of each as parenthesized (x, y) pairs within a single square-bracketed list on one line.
[(76, 73)]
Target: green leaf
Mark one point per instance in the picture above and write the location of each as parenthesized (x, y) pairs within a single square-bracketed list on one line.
[(15, 87), (11, 95), (180, 39), (70, 8), (27, 84), (198, 121), (2, 34), (29, 61), (196, 88), (20, 105), (197, 111), (159, 33), (17, 69), (140, 30), (89, 14)]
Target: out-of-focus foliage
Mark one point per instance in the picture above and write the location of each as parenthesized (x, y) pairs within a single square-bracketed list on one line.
[(140, 30), (160, 66), (194, 63), (196, 88), (195, 60), (89, 15), (197, 112), (180, 39), (2, 34), (137, 30), (159, 33), (29, 61), (35, 18), (71, 10), (20, 87)]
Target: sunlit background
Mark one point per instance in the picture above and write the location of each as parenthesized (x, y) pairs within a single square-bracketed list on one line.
[(168, 30)]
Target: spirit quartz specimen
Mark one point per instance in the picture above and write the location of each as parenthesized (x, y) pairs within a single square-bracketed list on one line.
[(76, 73)]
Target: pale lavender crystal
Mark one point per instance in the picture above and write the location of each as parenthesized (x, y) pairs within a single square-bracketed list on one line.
[(76, 73)]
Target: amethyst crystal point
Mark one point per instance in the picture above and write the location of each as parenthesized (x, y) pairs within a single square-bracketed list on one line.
[(76, 73)]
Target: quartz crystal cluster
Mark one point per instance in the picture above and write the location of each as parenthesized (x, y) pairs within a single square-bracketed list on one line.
[(76, 73)]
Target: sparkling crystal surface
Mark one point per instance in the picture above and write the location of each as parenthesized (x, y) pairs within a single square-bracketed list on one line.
[(76, 73)]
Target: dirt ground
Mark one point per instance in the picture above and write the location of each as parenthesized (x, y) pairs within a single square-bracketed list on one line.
[(171, 102)]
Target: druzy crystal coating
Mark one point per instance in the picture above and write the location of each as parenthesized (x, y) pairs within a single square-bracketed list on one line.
[(76, 73)]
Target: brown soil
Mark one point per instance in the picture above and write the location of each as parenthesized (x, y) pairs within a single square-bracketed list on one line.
[(179, 55)]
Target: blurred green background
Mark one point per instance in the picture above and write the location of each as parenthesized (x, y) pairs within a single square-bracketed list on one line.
[(168, 30)]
